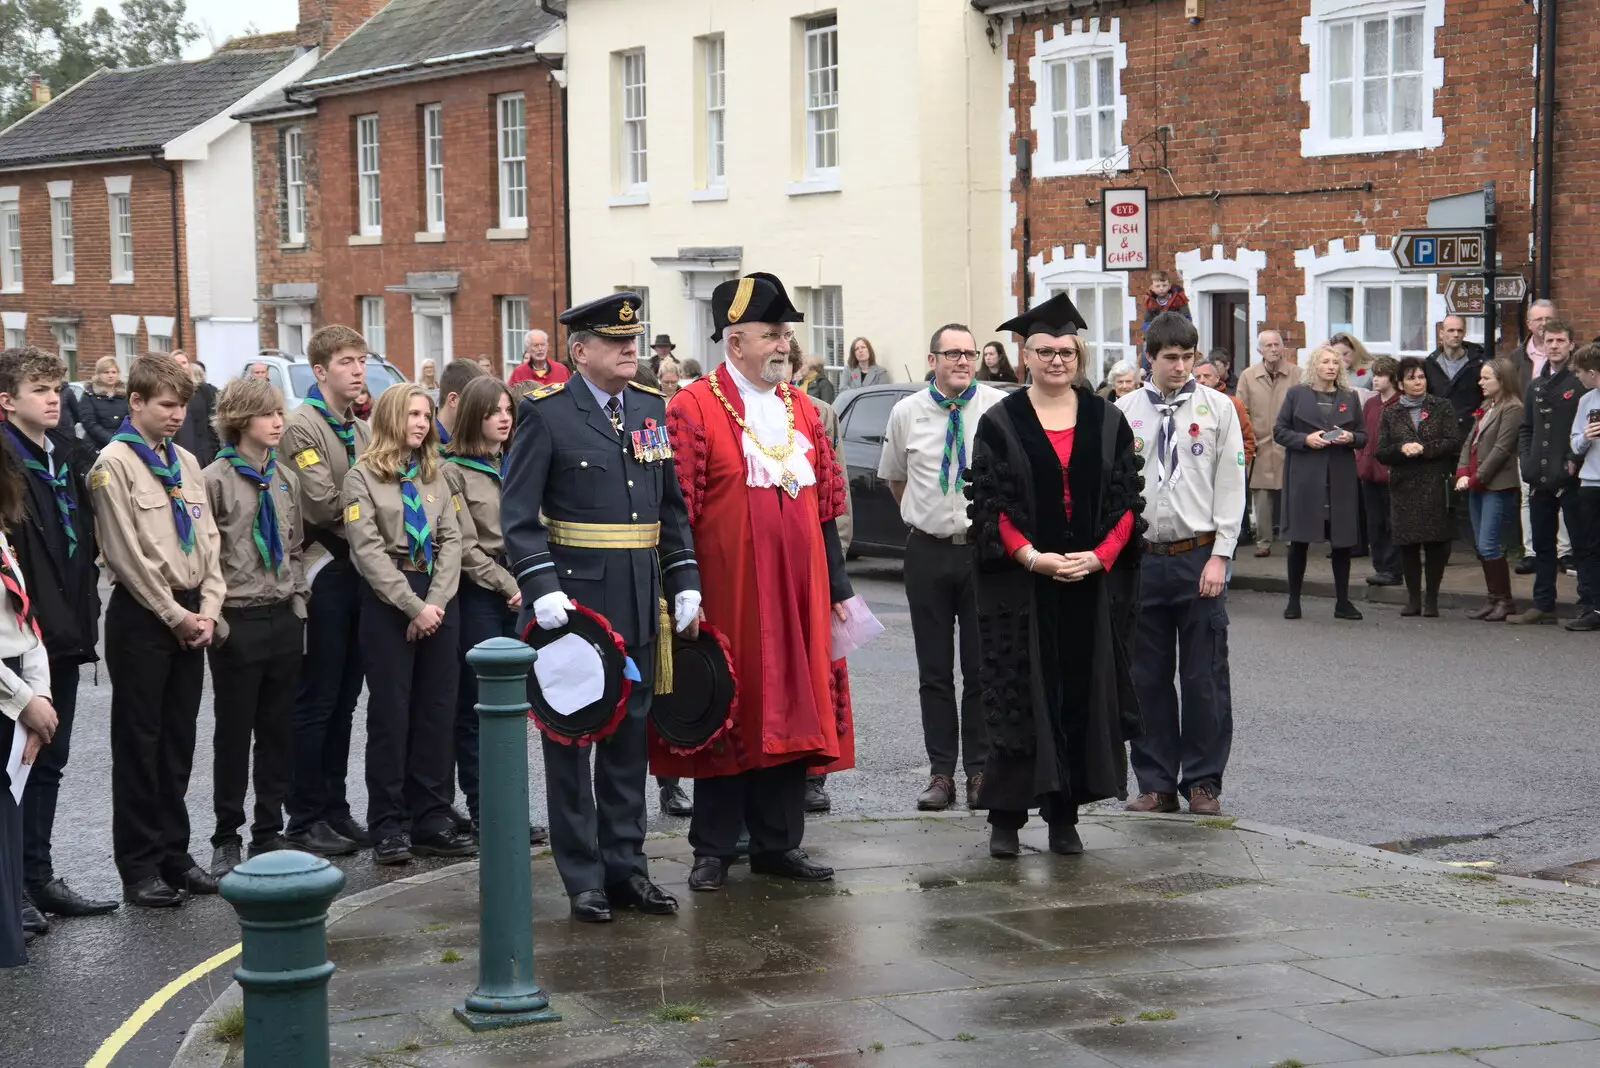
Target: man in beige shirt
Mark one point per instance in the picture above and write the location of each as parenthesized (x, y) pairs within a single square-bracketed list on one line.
[(252, 496), (924, 460), (160, 542), (1262, 387), (321, 442)]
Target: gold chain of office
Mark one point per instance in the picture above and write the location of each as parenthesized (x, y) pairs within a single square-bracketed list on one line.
[(789, 483)]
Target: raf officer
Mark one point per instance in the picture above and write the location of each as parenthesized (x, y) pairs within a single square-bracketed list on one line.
[(592, 514)]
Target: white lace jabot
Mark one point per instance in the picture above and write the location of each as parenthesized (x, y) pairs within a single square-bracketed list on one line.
[(764, 415)]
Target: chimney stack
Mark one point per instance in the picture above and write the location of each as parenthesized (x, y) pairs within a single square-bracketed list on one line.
[(325, 23), (38, 90)]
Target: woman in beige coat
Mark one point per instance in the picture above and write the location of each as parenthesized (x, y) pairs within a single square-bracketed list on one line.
[(1488, 470)]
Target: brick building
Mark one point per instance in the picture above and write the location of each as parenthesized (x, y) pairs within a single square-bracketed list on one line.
[(123, 203), (1284, 144), (411, 183)]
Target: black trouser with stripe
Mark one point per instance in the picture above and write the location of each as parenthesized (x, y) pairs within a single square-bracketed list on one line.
[(155, 698), (769, 801), (330, 685), (411, 710), (44, 781), (254, 677), (484, 615)]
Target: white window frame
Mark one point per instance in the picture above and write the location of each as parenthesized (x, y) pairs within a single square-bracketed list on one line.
[(16, 337), (820, 96), (825, 320), (1087, 40), (433, 167), (436, 306), (1073, 273), (15, 325), (63, 254), (1382, 337), (66, 336), (294, 328), (369, 198), (10, 240), (633, 133), (1367, 265), (715, 54), (127, 348), (119, 211), (373, 328), (511, 124), (515, 322), (294, 185), (1316, 85)]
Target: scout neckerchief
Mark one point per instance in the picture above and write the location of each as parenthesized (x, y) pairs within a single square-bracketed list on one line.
[(1167, 468), (269, 542), (57, 482), (17, 594), (955, 436), (169, 472), (444, 435), (346, 431), (419, 539), (475, 463)]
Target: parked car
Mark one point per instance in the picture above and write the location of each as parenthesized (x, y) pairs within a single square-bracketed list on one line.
[(863, 422), (294, 376)]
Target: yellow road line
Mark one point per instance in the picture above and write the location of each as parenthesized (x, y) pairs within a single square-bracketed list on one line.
[(153, 1004)]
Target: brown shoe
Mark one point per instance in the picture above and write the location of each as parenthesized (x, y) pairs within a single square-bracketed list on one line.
[(1203, 801), (1533, 617), (1264, 550), (1154, 802), (974, 785), (937, 797)]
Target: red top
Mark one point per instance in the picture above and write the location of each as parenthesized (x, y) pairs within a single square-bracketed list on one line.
[(1107, 550), (1367, 465), (554, 372)]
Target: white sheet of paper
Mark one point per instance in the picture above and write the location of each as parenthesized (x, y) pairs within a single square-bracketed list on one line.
[(571, 674), (14, 765), (858, 628)]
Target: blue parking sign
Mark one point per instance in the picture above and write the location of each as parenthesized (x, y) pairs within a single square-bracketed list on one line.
[(1424, 251)]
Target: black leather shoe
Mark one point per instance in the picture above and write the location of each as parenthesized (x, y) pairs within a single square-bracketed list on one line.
[(57, 897), (709, 873), (1003, 842), (323, 840), (1064, 840), (33, 921), (791, 865), (674, 802), (395, 849), (642, 894), (346, 827), (538, 835), (269, 845), (817, 799), (152, 893), (463, 822), (444, 844), (1527, 565), (1586, 622), (1292, 611), (224, 858), (591, 906), (1346, 610), (194, 881)]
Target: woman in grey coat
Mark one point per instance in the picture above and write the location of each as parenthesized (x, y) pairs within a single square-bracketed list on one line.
[(861, 366), (1420, 440), (1320, 427)]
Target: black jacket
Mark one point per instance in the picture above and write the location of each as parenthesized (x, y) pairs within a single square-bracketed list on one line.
[(101, 415), (197, 434), (1462, 391), (1545, 441), (71, 410), (64, 590)]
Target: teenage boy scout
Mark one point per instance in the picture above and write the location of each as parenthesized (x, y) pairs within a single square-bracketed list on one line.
[(160, 543)]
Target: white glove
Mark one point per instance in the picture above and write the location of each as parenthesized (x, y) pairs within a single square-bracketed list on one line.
[(550, 611), (685, 607)]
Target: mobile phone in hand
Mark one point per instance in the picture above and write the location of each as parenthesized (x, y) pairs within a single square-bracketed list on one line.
[(1594, 415)]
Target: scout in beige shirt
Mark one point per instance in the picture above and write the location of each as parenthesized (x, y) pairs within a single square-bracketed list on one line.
[(160, 542)]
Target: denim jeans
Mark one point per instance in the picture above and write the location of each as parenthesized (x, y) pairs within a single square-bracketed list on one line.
[(1489, 511)]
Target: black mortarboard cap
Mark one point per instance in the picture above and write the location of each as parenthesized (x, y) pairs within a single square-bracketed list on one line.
[(618, 315), (755, 298), (1056, 316)]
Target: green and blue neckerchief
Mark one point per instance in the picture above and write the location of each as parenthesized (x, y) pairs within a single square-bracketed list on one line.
[(419, 535), (476, 463), (955, 437), (269, 541), (58, 483), (345, 431), (169, 472)]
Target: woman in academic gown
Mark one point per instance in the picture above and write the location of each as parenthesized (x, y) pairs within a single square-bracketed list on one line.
[(1056, 502)]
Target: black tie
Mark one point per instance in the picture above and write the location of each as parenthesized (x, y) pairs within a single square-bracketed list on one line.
[(614, 411)]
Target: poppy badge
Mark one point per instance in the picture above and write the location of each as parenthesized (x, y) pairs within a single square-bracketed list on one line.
[(1194, 430), (1424, 414), (1344, 407), (1567, 395)]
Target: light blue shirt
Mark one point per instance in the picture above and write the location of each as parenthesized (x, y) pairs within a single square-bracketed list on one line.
[(1589, 473), (601, 395)]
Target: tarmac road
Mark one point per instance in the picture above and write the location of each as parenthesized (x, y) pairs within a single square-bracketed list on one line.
[(1389, 730)]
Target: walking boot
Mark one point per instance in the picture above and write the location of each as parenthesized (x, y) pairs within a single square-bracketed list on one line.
[(1412, 571), (1499, 572), (1488, 583)]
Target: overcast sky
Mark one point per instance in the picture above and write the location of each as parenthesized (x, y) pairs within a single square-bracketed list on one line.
[(219, 20)]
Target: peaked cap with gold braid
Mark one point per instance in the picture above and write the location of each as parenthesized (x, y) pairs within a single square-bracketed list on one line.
[(755, 298), (617, 315)]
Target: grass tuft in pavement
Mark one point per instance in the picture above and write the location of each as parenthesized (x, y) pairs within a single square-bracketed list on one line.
[(430, 928), (705, 1062), (964, 1037), (229, 1027), (1151, 1015), (1515, 901), (1220, 823), (1290, 1062), (1471, 876), (450, 956), (679, 1012)]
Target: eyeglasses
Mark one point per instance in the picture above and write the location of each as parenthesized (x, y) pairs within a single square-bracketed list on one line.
[(958, 355), (1052, 355), (770, 335)]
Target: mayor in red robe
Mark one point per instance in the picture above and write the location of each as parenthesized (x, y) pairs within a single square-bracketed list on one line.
[(763, 489)]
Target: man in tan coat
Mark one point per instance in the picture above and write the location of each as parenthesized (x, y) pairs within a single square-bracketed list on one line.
[(1262, 388)]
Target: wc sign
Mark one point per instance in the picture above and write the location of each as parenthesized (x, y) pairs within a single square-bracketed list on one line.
[(1124, 230)]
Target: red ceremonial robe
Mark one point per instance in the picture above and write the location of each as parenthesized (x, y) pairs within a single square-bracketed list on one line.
[(764, 584)]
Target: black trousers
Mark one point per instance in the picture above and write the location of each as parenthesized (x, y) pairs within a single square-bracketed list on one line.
[(1586, 540), (770, 802), (254, 677), (1385, 557), (330, 685), (411, 712), (484, 615), (1545, 512), (940, 593), (597, 814), (13, 943), (155, 699), (44, 781)]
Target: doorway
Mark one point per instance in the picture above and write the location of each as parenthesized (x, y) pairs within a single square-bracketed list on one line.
[(1230, 326)]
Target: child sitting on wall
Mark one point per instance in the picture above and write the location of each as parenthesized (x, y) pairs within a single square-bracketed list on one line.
[(1165, 295)]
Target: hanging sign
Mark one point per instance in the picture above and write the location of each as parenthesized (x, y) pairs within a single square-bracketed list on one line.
[(1124, 230)]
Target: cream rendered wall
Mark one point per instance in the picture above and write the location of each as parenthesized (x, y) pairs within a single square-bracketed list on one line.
[(908, 235)]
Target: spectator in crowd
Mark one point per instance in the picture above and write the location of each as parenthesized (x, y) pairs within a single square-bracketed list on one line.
[(487, 364), (1453, 371), (1320, 428), (1585, 431), (688, 371), (1375, 475), (1223, 362), (457, 373), (428, 379), (1209, 372), (1419, 438), (1121, 380), (670, 374), (862, 368), (1357, 361), (105, 403), (261, 370), (1166, 295), (1487, 470), (1529, 359), (536, 365), (1544, 445), (361, 407), (661, 348), (1262, 387), (811, 377), (996, 365), (71, 409), (197, 434)]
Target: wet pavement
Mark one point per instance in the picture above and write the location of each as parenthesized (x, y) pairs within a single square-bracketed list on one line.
[(1170, 943)]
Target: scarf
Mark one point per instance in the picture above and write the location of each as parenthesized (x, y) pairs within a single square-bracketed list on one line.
[(419, 536), (955, 436), (1167, 468), (345, 431), (1413, 407), (168, 472), (17, 594), (57, 482), (269, 542), (444, 435), (473, 463)]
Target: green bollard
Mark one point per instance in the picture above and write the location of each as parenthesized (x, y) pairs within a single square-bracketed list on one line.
[(282, 901), (507, 994)]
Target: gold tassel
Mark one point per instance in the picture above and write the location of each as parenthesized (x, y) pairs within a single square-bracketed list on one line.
[(664, 649)]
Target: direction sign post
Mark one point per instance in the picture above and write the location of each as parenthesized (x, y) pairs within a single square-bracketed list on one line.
[(1440, 251)]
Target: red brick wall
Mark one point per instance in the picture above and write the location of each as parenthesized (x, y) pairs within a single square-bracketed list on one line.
[(533, 267), (325, 23), (1576, 205), (92, 296), (1230, 89)]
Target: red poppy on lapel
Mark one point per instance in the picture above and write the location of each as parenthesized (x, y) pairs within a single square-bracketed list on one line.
[(1344, 407), (1477, 413), (1567, 395), (1194, 430), (1424, 414), (649, 424)]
